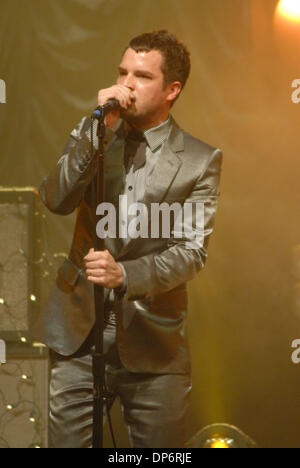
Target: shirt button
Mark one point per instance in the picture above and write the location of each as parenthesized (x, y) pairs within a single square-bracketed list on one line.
[(130, 187)]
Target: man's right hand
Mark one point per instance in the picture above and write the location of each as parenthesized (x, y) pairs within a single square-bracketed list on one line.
[(123, 94)]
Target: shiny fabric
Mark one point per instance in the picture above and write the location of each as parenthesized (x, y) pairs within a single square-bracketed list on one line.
[(154, 406), (151, 316)]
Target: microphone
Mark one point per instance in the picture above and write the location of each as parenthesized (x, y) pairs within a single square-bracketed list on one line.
[(102, 111)]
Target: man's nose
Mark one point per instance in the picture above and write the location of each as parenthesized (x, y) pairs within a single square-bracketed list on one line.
[(129, 82)]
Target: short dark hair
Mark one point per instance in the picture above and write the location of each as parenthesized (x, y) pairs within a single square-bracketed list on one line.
[(176, 58)]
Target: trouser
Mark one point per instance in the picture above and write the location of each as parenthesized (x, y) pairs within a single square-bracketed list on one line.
[(154, 406)]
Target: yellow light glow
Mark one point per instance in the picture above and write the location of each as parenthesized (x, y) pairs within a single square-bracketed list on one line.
[(219, 444), (290, 9)]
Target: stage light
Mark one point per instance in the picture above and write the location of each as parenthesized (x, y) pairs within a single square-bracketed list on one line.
[(220, 444), (289, 9), (286, 22), (221, 436)]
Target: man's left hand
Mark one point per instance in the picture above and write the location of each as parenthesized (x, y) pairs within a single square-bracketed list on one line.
[(102, 269)]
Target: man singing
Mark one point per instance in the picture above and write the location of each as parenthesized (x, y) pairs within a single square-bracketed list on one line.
[(152, 161)]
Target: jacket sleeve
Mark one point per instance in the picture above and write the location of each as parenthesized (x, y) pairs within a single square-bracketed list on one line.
[(183, 258), (64, 188)]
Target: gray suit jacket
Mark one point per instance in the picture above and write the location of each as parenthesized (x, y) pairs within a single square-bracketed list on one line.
[(151, 317)]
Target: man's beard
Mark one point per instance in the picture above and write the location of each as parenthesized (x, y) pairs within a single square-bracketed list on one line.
[(129, 113), (132, 116)]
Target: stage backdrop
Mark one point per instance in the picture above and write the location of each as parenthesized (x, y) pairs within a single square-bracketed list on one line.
[(243, 313)]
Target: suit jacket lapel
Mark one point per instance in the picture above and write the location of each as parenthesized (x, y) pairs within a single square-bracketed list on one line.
[(162, 176)]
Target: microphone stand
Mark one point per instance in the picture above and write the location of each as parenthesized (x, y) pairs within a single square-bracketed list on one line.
[(98, 190)]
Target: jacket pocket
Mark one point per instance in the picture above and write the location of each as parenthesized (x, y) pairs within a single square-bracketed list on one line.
[(70, 272)]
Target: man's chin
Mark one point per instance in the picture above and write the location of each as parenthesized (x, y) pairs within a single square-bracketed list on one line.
[(128, 113), (131, 116)]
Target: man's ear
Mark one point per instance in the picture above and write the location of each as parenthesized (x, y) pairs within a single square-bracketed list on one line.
[(173, 91)]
